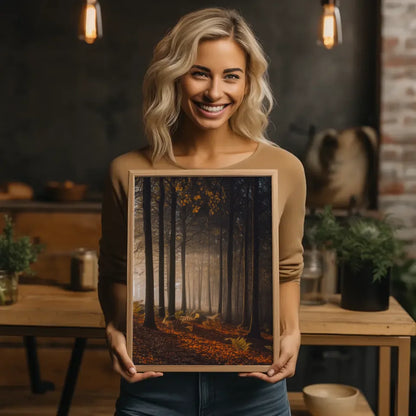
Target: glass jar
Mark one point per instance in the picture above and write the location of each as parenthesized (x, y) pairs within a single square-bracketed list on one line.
[(8, 287), (311, 280), (84, 269)]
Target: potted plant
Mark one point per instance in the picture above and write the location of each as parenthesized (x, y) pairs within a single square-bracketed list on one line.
[(367, 249), (16, 256)]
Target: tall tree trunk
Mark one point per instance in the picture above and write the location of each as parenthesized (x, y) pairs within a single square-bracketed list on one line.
[(254, 331), (188, 292), (172, 253), (209, 272), (149, 313), (247, 256), (161, 249), (183, 258), (192, 287), (200, 286), (230, 256), (221, 277), (239, 298)]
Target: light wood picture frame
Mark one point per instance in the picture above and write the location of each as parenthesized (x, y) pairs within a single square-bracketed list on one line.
[(203, 270)]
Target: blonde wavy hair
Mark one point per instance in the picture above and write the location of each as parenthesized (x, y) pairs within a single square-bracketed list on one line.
[(173, 57)]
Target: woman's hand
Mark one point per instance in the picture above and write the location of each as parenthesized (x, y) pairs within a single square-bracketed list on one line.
[(285, 366), (122, 364)]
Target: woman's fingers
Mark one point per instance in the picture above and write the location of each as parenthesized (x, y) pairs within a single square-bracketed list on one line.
[(122, 364), (119, 356), (277, 372), (285, 365)]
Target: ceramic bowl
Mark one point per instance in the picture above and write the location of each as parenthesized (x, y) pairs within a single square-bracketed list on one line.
[(67, 191), (330, 399)]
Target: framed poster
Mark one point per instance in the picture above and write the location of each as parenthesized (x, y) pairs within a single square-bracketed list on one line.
[(203, 284)]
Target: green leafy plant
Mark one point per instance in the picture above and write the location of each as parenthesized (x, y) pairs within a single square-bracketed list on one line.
[(16, 255), (358, 241), (370, 241), (323, 230)]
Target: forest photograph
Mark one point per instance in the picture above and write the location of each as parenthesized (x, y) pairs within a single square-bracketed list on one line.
[(201, 285)]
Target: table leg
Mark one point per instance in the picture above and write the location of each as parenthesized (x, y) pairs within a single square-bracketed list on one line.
[(36, 384), (71, 376), (384, 377), (403, 377)]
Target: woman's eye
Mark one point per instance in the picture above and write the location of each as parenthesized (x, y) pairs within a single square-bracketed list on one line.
[(199, 74), (232, 76)]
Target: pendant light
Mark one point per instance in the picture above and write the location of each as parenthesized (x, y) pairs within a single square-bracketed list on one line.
[(91, 26), (330, 32)]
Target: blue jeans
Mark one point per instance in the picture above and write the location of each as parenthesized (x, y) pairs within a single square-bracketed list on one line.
[(202, 394)]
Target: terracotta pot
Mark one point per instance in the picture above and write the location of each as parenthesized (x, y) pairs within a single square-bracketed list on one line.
[(359, 292)]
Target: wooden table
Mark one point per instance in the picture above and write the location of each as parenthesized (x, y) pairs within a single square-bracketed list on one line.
[(56, 312), (329, 324)]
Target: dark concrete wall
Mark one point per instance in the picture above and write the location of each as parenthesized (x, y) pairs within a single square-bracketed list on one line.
[(68, 108)]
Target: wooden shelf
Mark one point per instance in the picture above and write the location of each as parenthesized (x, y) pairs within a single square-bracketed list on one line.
[(298, 408), (49, 206)]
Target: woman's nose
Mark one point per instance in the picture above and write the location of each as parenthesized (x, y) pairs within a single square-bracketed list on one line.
[(213, 92)]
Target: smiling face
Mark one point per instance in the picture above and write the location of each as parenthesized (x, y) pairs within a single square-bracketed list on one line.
[(213, 89)]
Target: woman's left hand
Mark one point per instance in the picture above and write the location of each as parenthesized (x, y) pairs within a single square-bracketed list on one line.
[(286, 364)]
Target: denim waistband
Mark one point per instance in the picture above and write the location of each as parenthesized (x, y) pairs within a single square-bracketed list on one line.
[(202, 394)]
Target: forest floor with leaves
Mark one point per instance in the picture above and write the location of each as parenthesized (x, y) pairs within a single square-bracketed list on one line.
[(196, 340)]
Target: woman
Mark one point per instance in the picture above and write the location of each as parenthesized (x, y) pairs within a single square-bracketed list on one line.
[(206, 102)]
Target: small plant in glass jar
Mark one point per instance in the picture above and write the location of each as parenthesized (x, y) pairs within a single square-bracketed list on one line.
[(322, 232), (16, 256)]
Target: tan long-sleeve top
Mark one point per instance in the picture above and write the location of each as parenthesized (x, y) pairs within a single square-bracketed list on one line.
[(291, 208)]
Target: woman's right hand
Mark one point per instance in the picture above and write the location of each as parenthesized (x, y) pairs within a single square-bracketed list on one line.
[(122, 363)]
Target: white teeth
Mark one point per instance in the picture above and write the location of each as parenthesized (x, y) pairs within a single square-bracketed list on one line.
[(212, 109)]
